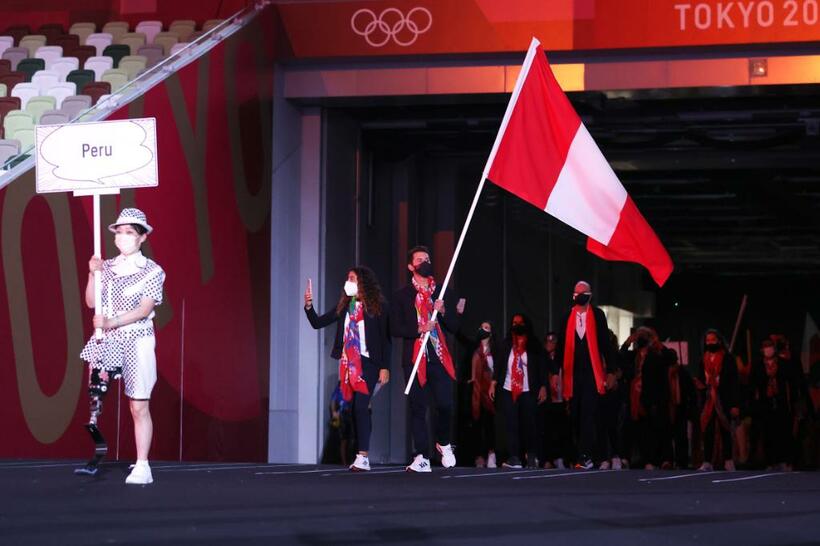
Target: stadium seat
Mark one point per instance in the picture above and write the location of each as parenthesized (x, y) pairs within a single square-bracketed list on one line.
[(211, 23), (5, 66), (72, 106), (37, 105), (183, 28), (82, 53), (134, 40), (5, 43), (17, 32), (176, 48), (25, 92), (116, 29), (26, 138), (132, 65), (45, 79), (11, 79), (54, 117), (3, 90), (166, 40), (33, 42), (95, 90), (61, 91), (49, 54), (82, 30), (152, 53), (68, 42), (149, 29), (100, 41), (8, 104), (8, 149), (16, 120), (99, 65), (117, 52), (80, 77), (30, 66), (15, 55), (116, 77), (64, 65), (51, 31)]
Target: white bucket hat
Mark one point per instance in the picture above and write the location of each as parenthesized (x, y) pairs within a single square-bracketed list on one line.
[(131, 216)]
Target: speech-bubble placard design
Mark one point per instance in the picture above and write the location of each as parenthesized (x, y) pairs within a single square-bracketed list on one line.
[(99, 156)]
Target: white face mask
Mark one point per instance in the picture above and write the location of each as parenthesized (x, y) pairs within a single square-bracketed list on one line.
[(126, 243), (351, 289)]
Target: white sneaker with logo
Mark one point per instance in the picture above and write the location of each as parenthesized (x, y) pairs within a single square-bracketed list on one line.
[(616, 464), (448, 458), (419, 464), (491, 463), (140, 475), (361, 464), (559, 464), (705, 467), (605, 465)]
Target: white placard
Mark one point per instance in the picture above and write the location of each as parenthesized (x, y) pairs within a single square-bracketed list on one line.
[(98, 157)]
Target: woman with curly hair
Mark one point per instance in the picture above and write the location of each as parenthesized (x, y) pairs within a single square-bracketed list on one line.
[(362, 347)]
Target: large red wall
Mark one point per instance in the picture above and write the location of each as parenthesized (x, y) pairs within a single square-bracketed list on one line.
[(211, 215)]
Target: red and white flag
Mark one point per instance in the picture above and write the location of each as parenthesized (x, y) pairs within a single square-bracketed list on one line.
[(545, 155)]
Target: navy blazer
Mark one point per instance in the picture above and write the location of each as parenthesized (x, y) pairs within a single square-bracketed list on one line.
[(404, 322), (375, 332)]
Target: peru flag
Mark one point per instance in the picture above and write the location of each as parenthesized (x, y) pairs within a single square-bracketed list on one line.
[(545, 155)]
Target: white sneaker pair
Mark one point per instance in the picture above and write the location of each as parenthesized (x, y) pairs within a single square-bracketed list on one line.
[(491, 463), (140, 474), (361, 464), (420, 464), (605, 465), (616, 464), (559, 464), (705, 467)]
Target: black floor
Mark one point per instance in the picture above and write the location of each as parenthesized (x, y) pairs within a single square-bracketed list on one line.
[(42, 502)]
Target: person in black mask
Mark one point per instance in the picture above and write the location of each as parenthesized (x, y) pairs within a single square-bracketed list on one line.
[(519, 373), (775, 395), (482, 406), (588, 357), (410, 319), (718, 378)]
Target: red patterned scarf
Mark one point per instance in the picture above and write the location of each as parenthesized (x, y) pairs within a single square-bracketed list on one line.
[(519, 347), (591, 336), (350, 364), (424, 311), (711, 370), (483, 376)]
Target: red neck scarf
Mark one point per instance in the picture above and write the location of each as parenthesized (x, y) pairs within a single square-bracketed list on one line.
[(350, 364), (591, 337), (771, 377), (483, 376), (519, 347), (711, 370), (424, 310)]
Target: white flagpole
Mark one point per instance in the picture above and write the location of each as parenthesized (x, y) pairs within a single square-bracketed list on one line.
[(98, 333), (525, 68)]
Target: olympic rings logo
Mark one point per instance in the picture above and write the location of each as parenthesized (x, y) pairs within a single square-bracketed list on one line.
[(391, 24)]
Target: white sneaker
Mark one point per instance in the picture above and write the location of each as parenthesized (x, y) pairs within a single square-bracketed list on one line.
[(140, 475), (729, 465), (491, 460), (616, 464), (448, 458), (559, 464), (361, 464), (419, 464), (705, 467), (604, 466)]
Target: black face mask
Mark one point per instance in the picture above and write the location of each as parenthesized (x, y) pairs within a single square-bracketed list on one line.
[(519, 329), (582, 299), (712, 347), (425, 269), (482, 334), (641, 342)]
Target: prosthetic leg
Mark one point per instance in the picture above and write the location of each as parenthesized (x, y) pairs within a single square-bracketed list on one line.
[(97, 389)]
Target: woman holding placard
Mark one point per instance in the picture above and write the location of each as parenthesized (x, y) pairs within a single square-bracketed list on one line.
[(362, 347), (131, 288)]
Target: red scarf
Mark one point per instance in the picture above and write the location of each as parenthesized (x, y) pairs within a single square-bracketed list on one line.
[(519, 347), (424, 310), (771, 377), (350, 364), (481, 386), (591, 336), (711, 370), (637, 411)]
